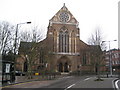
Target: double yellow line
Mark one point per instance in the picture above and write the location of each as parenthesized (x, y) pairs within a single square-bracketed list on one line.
[(15, 84)]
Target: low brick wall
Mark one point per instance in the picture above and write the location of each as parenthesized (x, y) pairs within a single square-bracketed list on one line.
[(19, 79)]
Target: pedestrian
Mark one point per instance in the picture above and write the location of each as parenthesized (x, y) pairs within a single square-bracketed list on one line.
[(107, 74)]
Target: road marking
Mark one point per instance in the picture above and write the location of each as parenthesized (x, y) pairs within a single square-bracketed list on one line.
[(65, 77), (16, 84), (77, 82), (113, 83), (69, 86), (116, 84), (68, 77), (86, 79)]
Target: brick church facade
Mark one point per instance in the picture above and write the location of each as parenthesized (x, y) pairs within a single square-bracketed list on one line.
[(61, 51)]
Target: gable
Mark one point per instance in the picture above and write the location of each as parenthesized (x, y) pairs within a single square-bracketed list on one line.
[(64, 16)]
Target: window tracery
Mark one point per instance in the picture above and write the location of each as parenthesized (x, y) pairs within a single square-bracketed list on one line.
[(64, 40)]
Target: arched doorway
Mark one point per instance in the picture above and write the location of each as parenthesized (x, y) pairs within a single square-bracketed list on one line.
[(63, 64), (60, 67), (66, 67)]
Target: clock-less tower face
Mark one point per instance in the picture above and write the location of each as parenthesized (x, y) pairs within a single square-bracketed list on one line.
[(64, 17)]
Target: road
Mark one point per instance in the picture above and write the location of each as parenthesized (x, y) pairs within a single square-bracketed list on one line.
[(67, 83), (82, 82), (119, 84)]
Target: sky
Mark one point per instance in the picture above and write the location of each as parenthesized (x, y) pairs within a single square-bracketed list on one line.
[(91, 15)]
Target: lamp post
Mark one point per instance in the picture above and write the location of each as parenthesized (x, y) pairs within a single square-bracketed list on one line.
[(15, 42), (110, 59)]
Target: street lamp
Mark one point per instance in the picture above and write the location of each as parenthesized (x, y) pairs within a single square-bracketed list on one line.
[(110, 60), (15, 43)]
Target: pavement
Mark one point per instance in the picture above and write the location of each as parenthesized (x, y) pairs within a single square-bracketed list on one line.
[(22, 81)]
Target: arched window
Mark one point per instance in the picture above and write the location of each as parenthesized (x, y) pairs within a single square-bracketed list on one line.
[(84, 59), (41, 55), (60, 41), (63, 41), (66, 42), (73, 42)]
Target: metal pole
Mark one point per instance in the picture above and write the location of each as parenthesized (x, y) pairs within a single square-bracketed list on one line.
[(15, 44), (110, 61), (110, 58), (15, 39)]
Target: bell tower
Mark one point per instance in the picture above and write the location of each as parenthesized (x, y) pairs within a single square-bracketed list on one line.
[(63, 31)]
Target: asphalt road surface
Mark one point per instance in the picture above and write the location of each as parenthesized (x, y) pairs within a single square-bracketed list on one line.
[(65, 83)]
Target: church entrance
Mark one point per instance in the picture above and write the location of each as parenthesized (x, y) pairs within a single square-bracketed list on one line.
[(60, 67), (64, 65)]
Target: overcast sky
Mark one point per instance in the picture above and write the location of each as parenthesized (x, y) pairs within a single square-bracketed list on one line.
[(91, 14)]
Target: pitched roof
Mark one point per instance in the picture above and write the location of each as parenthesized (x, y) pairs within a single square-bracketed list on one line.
[(55, 18), (24, 46)]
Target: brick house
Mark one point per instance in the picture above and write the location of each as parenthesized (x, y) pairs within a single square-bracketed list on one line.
[(115, 59)]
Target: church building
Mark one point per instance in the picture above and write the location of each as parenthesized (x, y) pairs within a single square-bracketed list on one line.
[(62, 51)]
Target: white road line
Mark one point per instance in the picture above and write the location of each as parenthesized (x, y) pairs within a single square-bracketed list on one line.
[(86, 79), (113, 83), (76, 83), (69, 86), (69, 77), (65, 77), (116, 84)]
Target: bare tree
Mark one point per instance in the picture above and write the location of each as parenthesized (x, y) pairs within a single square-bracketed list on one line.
[(31, 57), (25, 36), (97, 58), (34, 36), (29, 40), (96, 39), (6, 37)]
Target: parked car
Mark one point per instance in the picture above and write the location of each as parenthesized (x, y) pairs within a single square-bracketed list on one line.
[(19, 73)]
